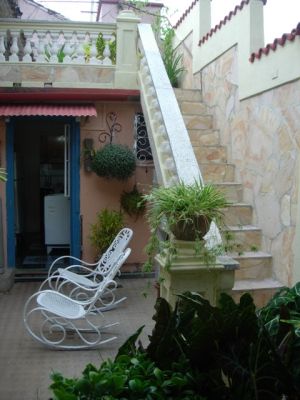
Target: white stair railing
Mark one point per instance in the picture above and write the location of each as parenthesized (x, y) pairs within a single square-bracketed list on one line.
[(173, 154), (172, 151)]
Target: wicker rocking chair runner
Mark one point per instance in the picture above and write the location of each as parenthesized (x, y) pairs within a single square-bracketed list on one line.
[(59, 321)]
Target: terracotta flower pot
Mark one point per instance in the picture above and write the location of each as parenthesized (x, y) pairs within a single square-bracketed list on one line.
[(189, 231)]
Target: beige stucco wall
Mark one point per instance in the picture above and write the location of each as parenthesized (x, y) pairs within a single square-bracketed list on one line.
[(262, 136), (97, 193)]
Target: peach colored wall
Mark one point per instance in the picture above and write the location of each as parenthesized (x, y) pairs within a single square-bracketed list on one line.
[(97, 193)]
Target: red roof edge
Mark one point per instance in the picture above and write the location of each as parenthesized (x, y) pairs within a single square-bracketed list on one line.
[(224, 21), (277, 42), (187, 11)]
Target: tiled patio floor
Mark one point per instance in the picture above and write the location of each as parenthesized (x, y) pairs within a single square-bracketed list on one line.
[(25, 365)]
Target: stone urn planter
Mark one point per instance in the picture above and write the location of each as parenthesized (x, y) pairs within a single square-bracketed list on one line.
[(179, 217)]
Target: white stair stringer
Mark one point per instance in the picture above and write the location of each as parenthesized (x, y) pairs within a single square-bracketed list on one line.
[(172, 151)]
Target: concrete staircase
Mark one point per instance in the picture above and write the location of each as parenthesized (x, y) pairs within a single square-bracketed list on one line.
[(242, 239)]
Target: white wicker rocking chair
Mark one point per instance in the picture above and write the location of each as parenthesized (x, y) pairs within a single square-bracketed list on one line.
[(94, 272), (80, 287), (75, 280), (60, 322)]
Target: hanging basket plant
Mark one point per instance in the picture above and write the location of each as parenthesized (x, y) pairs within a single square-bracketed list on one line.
[(114, 161), (133, 202)]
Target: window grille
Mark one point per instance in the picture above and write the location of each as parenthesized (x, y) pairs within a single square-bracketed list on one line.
[(142, 144)]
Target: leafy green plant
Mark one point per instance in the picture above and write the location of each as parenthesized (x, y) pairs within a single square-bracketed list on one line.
[(3, 175), (200, 351), (114, 161), (100, 45), (127, 377), (112, 44), (133, 202), (184, 212), (113, 48), (87, 52), (227, 346), (172, 60), (103, 231)]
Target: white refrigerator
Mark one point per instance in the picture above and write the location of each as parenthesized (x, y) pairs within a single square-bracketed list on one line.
[(57, 221)]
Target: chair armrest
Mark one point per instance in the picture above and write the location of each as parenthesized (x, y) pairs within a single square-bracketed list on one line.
[(59, 259)]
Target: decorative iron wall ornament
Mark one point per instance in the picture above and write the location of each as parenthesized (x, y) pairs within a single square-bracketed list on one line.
[(142, 144), (113, 128)]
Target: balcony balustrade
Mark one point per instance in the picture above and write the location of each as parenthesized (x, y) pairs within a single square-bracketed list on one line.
[(67, 43), (69, 54)]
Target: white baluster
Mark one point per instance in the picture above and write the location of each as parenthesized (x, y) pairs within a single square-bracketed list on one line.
[(53, 52), (80, 54), (74, 45), (148, 82), (41, 50), (151, 93), (27, 51), (154, 105), (68, 51), (93, 54), (14, 51), (106, 55), (2, 49)]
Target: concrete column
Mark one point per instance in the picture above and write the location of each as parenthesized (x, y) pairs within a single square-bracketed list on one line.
[(127, 60), (204, 18)]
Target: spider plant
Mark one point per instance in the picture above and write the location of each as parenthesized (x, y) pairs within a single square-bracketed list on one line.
[(184, 211)]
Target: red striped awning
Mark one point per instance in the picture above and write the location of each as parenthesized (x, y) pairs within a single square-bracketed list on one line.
[(45, 110)]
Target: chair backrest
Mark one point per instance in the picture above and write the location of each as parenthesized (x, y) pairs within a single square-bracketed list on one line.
[(109, 278), (117, 246)]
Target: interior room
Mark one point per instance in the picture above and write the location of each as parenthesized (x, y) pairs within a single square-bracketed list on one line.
[(42, 228)]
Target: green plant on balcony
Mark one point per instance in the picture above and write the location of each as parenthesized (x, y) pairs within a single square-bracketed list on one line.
[(103, 231), (114, 161), (112, 44), (184, 212), (171, 58)]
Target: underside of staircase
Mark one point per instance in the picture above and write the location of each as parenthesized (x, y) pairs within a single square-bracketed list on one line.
[(242, 240)]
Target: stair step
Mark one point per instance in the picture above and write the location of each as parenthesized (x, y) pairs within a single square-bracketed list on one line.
[(253, 265), (198, 121), (242, 238), (188, 94), (200, 137), (238, 214), (233, 191), (191, 107), (217, 172), (261, 290), (213, 154)]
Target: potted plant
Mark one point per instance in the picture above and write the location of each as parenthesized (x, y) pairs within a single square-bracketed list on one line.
[(133, 202), (114, 161), (184, 212), (103, 231)]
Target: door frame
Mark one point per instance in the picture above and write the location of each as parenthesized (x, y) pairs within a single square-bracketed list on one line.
[(75, 222)]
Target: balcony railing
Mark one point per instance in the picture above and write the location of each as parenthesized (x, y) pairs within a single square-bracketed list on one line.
[(69, 54), (67, 43)]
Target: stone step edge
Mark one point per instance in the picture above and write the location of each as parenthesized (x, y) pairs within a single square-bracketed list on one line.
[(197, 115), (250, 254), (241, 228), (263, 284)]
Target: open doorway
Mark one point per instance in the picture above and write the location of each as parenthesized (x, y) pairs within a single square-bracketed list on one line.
[(42, 208)]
